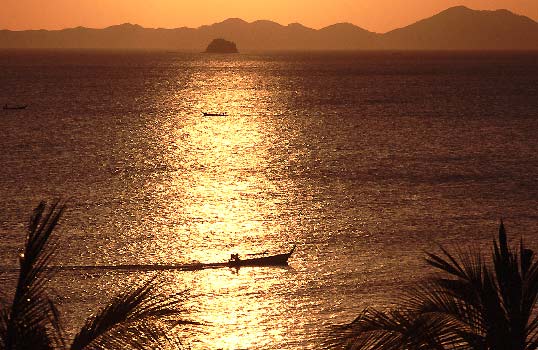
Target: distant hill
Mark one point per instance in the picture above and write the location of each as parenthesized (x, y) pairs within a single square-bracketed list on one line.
[(461, 28), (457, 28)]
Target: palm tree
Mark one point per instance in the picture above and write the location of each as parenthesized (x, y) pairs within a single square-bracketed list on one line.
[(140, 318), (471, 304)]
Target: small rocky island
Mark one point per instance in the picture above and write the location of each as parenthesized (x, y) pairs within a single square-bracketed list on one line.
[(221, 46)]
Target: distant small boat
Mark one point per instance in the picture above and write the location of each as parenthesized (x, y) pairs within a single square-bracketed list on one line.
[(209, 114), (272, 260), (14, 107)]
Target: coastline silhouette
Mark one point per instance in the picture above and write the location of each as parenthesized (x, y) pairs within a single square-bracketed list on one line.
[(457, 28)]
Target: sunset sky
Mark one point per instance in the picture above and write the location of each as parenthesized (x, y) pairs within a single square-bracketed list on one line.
[(374, 15)]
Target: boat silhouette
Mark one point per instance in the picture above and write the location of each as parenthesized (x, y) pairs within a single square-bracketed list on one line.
[(6, 106), (278, 260), (271, 260), (213, 114)]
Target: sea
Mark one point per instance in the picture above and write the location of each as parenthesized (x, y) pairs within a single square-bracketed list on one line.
[(366, 161)]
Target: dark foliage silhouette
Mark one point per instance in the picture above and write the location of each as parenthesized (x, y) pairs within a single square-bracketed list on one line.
[(471, 304), (138, 319)]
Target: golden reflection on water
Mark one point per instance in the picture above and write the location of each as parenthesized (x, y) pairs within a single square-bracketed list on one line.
[(243, 311), (216, 197)]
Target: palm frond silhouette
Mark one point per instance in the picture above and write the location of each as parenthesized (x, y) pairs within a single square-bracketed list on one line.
[(140, 318), (471, 304)]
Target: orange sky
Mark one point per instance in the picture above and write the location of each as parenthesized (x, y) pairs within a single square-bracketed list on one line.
[(374, 15)]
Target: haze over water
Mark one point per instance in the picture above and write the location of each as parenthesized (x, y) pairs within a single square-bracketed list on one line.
[(364, 160)]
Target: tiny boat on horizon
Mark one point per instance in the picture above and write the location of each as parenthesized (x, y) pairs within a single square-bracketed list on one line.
[(212, 114), (6, 106)]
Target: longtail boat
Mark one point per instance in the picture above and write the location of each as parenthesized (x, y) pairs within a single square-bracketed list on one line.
[(234, 262), (271, 260), (6, 107), (212, 114)]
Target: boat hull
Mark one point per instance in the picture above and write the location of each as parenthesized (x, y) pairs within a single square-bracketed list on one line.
[(206, 114), (14, 107), (273, 260)]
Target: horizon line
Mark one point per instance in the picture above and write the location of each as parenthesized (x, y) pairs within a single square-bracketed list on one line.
[(268, 20)]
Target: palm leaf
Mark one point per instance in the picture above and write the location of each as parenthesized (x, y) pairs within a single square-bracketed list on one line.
[(399, 329), (113, 326), (32, 322), (139, 319), (468, 305)]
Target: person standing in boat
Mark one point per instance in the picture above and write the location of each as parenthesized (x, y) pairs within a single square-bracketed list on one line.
[(234, 257)]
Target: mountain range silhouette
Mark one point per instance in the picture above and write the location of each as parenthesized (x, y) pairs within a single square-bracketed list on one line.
[(457, 28)]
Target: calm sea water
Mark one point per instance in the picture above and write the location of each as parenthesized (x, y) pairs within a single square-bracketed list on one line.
[(364, 160)]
